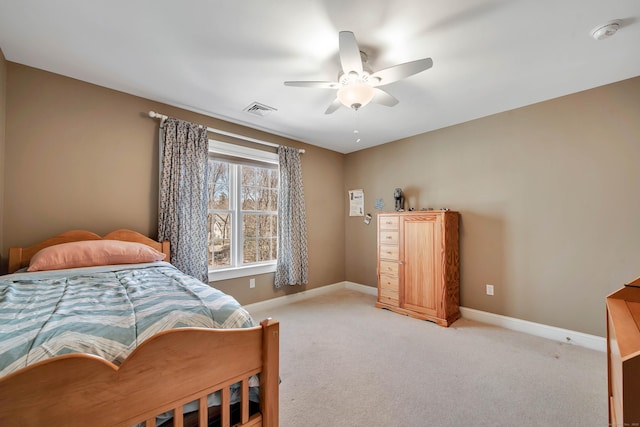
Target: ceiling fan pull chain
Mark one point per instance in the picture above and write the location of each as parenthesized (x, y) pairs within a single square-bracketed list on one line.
[(356, 129)]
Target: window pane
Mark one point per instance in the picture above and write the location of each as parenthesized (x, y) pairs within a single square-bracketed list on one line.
[(247, 194), (249, 225), (218, 184), (249, 197), (219, 239), (248, 175), (264, 249), (273, 200), (274, 248), (220, 199), (264, 226), (262, 177), (263, 199), (249, 252)]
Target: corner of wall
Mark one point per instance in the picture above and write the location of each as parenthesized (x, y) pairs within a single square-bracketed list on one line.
[(3, 121)]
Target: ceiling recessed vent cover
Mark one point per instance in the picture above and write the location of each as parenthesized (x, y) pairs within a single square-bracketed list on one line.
[(258, 109)]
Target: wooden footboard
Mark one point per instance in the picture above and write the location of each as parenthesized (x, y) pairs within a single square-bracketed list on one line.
[(167, 371)]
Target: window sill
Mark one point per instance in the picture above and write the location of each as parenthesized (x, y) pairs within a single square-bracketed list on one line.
[(232, 273)]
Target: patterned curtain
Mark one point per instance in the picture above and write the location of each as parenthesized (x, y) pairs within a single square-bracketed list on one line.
[(182, 216), (292, 265)]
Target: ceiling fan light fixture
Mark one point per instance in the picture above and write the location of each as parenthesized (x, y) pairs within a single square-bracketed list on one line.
[(355, 95), (357, 84)]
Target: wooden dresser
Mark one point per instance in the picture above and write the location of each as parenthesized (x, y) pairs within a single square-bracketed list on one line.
[(623, 355), (418, 264)]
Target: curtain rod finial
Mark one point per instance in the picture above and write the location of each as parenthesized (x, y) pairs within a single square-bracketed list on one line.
[(155, 115)]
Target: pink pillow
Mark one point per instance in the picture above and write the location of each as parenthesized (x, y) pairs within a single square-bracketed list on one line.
[(93, 252)]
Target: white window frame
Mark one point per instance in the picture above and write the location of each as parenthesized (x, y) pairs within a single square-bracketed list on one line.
[(226, 149)]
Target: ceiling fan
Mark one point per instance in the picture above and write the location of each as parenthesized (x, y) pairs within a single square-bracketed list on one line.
[(357, 84)]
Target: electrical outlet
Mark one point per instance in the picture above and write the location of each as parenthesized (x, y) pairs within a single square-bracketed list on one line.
[(489, 289), (252, 283)]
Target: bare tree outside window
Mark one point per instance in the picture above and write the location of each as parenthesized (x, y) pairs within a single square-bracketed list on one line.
[(254, 206), (219, 214), (259, 197)]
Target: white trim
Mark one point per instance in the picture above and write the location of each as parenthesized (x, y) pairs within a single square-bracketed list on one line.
[(250, 270), (163, 117), (566, 336), (370, 290), (243, 152), (288, 299), (236, 237)]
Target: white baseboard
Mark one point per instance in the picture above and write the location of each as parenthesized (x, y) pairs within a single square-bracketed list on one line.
[(567, 336), (370, 290), (538, 329), (288, 299)]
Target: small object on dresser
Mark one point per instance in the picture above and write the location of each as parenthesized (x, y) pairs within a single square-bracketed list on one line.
[(399, 198)]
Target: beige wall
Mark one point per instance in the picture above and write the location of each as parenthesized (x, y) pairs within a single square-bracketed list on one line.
[(549, 197), (83, 156), (548, 194)]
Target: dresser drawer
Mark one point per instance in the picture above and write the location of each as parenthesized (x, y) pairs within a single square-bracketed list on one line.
[(388, 297), (389, 284), (389, 237), (391, 252), (389, 268), (388, 290), (389, 222)]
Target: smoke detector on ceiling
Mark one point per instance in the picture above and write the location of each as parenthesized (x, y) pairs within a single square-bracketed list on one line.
[(606, 30)]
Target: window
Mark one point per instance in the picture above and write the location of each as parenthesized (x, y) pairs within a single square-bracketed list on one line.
[(243, 213)]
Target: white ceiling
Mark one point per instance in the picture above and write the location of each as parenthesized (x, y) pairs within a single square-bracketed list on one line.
[(218, 56)]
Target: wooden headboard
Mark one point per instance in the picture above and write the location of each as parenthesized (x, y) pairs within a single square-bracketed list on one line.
[(20, 257)]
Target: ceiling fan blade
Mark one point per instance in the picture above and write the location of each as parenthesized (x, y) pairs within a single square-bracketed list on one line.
[(334, 106), (383, 98), (400, 71), (322, 85), (349, 52)]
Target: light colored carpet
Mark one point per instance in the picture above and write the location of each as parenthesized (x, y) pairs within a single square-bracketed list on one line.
[(344, 362)]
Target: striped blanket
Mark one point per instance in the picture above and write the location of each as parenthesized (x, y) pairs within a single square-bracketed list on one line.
[(106, 311)]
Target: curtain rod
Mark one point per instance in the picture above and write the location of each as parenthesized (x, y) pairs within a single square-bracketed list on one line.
[(155, 115)]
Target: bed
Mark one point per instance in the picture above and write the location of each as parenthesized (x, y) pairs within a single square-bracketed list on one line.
[(152, 367)]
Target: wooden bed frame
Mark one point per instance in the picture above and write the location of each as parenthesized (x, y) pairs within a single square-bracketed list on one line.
[(170, 369)]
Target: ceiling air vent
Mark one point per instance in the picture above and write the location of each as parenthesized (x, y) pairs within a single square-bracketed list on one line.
[(258, 109)]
